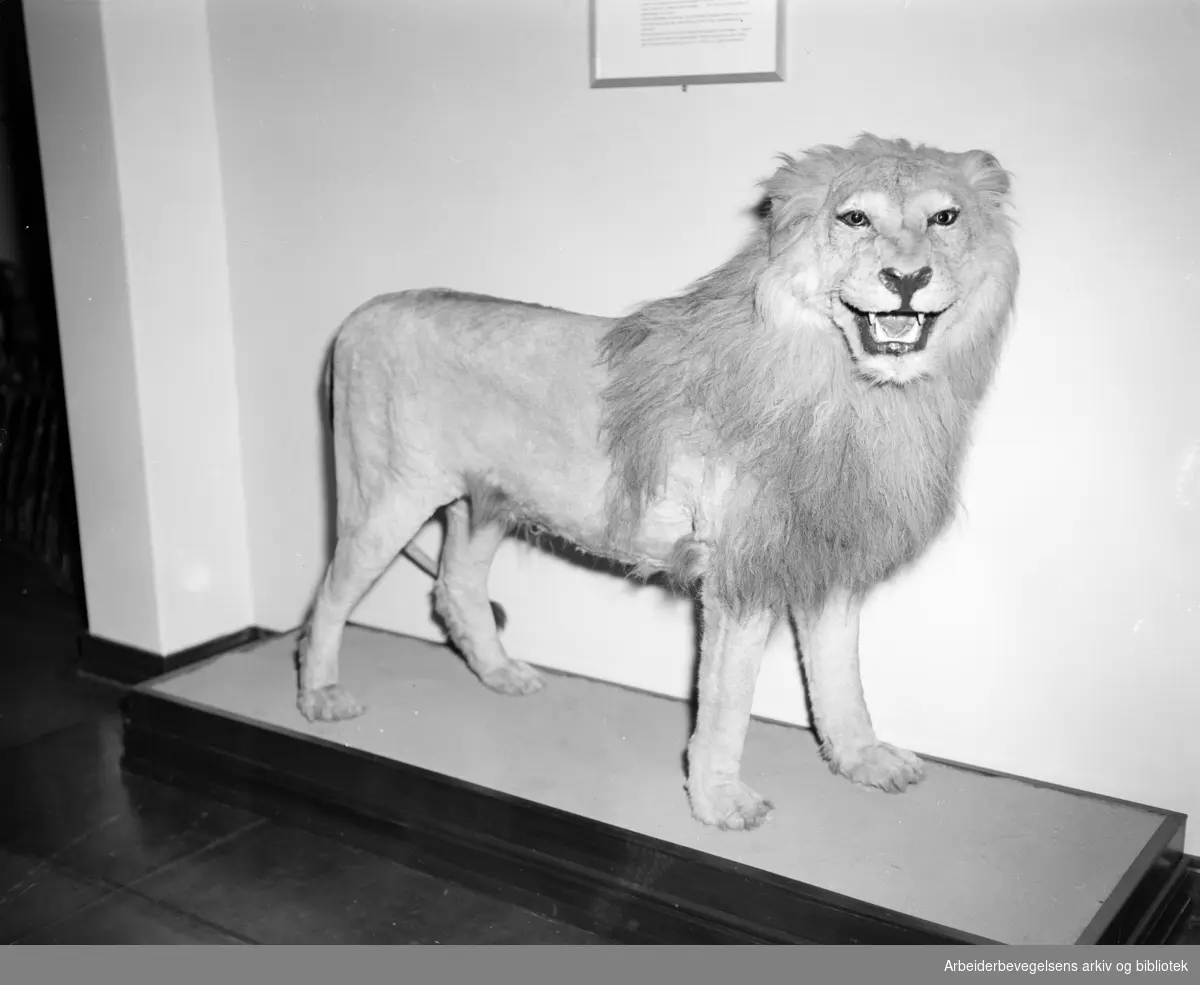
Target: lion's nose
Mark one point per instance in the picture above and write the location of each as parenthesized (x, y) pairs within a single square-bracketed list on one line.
[(905, 285)]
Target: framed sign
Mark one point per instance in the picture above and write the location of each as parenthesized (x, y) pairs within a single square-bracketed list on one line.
[(686, 42)]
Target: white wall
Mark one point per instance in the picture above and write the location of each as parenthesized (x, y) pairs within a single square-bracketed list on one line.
[(123, 94)]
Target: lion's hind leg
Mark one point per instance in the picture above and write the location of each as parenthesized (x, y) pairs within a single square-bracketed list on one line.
[(367, 544), (461, 598)]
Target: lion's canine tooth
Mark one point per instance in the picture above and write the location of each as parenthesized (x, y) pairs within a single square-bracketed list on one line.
[(920, 320)]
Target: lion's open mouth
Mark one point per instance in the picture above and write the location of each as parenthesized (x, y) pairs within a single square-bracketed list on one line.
[(893, 333)]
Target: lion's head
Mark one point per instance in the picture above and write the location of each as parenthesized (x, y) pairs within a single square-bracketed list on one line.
[(904, 250)]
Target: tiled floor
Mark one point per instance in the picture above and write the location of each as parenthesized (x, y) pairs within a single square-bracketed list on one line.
[(89, 854)]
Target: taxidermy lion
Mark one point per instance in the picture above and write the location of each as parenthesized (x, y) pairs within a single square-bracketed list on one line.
[(783, 435)]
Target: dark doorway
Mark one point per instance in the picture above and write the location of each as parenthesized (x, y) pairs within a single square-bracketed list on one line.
[(39, 533)]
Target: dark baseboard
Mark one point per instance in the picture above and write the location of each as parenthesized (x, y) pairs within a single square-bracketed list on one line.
[(625, 886), (125, 664)]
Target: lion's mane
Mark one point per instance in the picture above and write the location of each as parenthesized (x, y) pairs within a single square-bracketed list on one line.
[(838, 480)]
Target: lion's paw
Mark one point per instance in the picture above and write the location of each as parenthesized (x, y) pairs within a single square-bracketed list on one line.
[(513, 677), (329, 704), (880, 765), (730, 805)]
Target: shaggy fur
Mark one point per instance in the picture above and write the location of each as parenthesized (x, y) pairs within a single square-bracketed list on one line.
[(787, 432)]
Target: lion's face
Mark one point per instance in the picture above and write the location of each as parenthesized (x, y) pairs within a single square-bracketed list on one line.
[(899, 250)]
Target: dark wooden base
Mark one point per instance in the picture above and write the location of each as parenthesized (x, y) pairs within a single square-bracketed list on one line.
[(623, 885)]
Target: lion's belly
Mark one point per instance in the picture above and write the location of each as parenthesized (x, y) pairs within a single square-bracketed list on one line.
[(677, 526), (570, 501)]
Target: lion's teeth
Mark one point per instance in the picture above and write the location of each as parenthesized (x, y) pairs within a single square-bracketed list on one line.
[(871, 318), (920, 320)]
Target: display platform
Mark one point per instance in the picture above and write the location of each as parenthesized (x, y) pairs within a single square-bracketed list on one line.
[(573, 799)]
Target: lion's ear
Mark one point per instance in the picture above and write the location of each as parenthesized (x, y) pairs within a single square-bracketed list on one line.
[(797, 190), (984, 173)]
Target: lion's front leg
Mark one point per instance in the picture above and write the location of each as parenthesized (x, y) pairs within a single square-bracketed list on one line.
[(731, 652), (829, 649)]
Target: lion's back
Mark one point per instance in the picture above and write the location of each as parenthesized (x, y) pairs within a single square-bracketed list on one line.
[(437, 328), (481, 384)]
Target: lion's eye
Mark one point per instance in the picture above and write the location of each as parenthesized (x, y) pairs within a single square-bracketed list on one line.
[(947, 217), (855, 217)]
